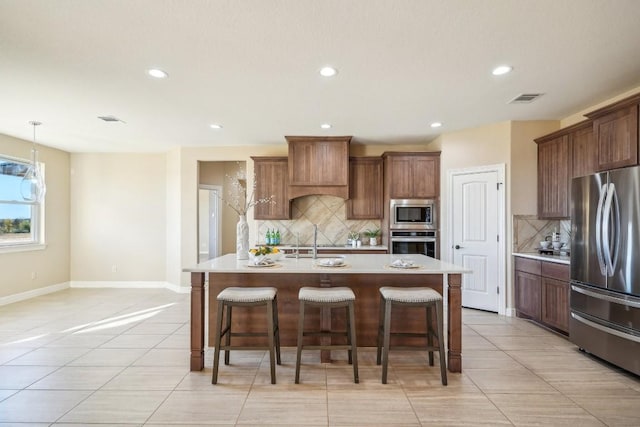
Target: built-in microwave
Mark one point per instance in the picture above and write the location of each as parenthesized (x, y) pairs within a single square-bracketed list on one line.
[(413, 214)]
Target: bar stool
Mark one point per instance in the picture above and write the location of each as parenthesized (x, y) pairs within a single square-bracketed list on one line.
[(247, 297), (412, 297), (328, 298)]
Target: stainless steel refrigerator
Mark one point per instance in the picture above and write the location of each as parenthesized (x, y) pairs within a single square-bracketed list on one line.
[(605, 266)]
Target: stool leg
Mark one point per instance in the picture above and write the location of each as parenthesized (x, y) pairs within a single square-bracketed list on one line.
[(227, 338), (380, 331), (216, 355), (353, 340), (300, 335), (430, 333), (387, 335), (276, 329), (270, 333), (347, 309), (443, 359)]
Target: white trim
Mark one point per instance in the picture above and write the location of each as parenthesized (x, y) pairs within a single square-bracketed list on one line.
[(10, 299), (510, 312), (26, 247), (129, 285), (500, 170)]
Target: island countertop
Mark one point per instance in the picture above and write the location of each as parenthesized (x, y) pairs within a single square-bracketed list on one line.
[(363, 273), (355, 264)]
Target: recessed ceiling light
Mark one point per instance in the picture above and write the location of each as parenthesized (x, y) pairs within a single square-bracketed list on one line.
[(328, 71), (325, 126), (502, 69), (157, 73), (215, 126), (436, 124)]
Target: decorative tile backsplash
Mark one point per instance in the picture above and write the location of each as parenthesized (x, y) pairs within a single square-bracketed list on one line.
[(328, 212), (529, 231)]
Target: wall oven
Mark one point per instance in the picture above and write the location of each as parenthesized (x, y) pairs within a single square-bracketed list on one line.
[(413, 214), (415, 242)]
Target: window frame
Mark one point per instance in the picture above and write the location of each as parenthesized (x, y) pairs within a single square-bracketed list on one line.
[(37, 241)]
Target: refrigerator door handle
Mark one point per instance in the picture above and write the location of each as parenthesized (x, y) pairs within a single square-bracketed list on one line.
[(610, 242), (601, 263), (605, 329), (608, 298)]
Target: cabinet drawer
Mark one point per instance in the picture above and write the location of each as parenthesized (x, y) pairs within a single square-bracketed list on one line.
[(555, 271), (528, 265)]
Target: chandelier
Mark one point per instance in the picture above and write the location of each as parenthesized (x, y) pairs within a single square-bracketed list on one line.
[(33, 187)]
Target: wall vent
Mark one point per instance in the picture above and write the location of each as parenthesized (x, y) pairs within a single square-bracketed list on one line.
[(525, 98), (110, 119)]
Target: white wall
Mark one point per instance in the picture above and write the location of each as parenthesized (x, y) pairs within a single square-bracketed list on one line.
[(51, 265), (119, 217)]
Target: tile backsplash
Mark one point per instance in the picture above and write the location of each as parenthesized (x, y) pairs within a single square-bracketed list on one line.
[(328, 212), (529, 231)]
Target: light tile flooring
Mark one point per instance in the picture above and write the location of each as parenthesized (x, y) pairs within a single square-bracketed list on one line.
[(120, 357)]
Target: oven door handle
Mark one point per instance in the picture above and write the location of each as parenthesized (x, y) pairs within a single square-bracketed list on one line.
[(410, 240)]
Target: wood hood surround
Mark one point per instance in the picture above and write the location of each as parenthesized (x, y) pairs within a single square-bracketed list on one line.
[(318, 165)]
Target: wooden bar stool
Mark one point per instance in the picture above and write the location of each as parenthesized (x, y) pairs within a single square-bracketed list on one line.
[(330, 298), (247, 297), (412, 297)]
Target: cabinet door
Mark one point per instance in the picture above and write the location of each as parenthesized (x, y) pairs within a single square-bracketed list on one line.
[(585, 152), (554, 172), (365, 188), (425, 173), (527, 295), (400, 178), (555, 303), (271, 175), (617, 137)]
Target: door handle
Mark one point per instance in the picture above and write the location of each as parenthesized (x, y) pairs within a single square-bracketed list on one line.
[(458, 247)]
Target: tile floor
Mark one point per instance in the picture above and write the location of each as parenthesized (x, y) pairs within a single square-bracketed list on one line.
[(120, 357)]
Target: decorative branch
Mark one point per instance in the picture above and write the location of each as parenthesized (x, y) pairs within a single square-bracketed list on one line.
[(237, 199)]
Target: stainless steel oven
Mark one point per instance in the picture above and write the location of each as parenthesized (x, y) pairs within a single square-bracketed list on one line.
[(423, 242), (413, 214)]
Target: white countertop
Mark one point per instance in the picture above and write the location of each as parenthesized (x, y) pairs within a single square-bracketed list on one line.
[(559, 259), (355, 264), (333, 248)]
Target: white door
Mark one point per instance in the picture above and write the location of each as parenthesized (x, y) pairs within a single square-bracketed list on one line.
[(477, 213), (208, 222)]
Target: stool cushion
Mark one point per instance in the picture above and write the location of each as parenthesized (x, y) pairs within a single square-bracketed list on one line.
[(337, 294), (236, 294), (410, 295)]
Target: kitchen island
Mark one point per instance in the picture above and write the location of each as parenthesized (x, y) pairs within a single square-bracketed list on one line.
[(364, 273)]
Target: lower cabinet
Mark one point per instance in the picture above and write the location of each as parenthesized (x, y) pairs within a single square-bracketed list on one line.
[(542, 292)]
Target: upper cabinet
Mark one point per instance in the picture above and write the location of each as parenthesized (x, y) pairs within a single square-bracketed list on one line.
[(412, 175), (271, 179), (584, 149), (615, 130), (365, 188), (554, 173), (318, 165)]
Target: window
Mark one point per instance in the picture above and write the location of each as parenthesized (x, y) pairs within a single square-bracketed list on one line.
[(21, 220)]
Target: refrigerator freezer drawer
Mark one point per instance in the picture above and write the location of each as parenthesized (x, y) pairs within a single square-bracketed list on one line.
[(619, 309), (605, 341)]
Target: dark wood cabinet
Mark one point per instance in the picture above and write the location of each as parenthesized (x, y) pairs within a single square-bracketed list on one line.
[(318, 165), (615, 129), (412, 175), (554, 175), (271, 175), (584, 149), (365, 188), (542, 292)]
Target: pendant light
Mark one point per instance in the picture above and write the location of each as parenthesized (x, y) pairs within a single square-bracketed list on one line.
[(33, 187)]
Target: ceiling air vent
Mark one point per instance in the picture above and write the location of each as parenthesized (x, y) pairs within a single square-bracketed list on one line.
[(525, 98), (110, 119)]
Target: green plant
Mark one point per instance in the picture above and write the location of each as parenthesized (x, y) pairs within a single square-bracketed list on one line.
[(354, 235), (371, 233)]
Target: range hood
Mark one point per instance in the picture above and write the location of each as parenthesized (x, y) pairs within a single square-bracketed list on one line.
[(318, 165)]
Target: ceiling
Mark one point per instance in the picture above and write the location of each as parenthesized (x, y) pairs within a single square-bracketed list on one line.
[(252, 66)]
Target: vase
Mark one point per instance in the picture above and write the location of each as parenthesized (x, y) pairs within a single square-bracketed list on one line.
[(373, 241), (242, 238)]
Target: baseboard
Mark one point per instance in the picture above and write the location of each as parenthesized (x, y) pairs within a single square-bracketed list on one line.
[(93, 284), (510, 312), (33, 293)]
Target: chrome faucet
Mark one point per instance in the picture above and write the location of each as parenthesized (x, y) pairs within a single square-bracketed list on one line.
[(315, 241)]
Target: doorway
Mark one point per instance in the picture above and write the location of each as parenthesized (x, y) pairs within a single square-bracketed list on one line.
[(209, 240), (477, 224)]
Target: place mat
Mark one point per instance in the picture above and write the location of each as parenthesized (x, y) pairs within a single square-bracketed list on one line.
[(413, 267), (274, 265), (331, 267)]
